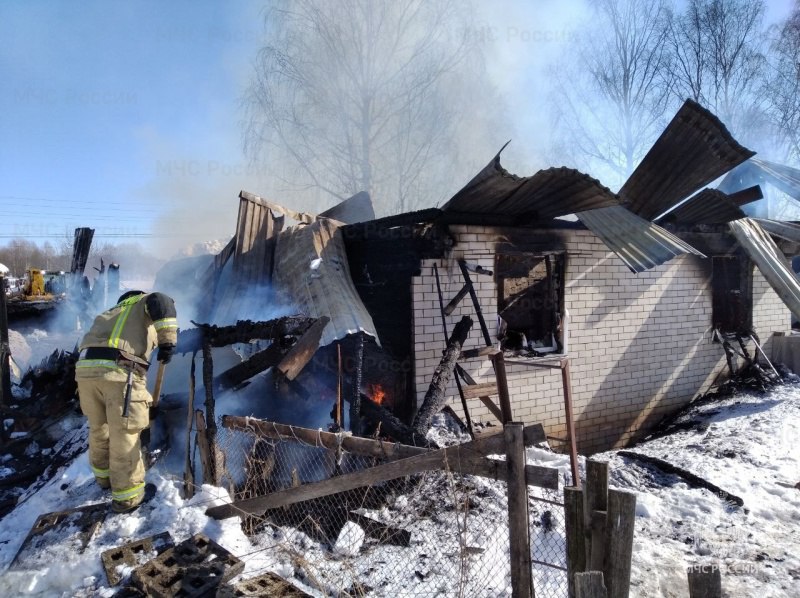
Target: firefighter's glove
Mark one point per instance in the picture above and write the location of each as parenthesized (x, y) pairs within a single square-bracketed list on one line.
[(165, 353)]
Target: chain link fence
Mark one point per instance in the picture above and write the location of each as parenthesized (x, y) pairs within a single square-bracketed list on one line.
[(437, 533)]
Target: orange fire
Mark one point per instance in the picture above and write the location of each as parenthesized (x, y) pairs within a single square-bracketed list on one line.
[(377, 394)]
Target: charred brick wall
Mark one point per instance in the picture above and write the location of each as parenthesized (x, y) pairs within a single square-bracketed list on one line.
[(640, 345)]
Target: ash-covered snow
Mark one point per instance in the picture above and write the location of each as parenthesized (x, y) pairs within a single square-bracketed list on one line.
[(745, 444)]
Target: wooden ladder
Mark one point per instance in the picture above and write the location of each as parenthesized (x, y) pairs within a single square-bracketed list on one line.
[(470, 389)]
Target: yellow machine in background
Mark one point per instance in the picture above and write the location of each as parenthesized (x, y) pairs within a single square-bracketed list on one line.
[(35, 286)]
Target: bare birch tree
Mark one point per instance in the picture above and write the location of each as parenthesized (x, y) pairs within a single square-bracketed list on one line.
[(610, 103), (782, 85), (716, 51), (352, 96)]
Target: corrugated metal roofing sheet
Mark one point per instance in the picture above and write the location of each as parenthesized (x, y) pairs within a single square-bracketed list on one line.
[(640, 244), (692, 151), (710, 206), (545, 195), (783, 230), (785, 178), (769, 260), (352, 210), (311, 272)]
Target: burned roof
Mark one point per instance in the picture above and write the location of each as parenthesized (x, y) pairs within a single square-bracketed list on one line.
[(710, 206), (311, 273), (496, 193), (640, 244), (692, 151)]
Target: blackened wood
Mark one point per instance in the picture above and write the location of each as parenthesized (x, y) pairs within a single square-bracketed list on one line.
[(389, 424), (705, 582), (188, 474), (204, 447), (502, 387), (518, 521), (303, 350), (451, 307), (692, 479), (80, 249), (575, 535), (590, 585), (442, 311), (244, 331), (480, 352), (476, 304), (573, 448), (594, 510), (385, 534), (211, 422), (437, 391), (619, 543), (355, 391), (339, 398), (5, 354), (255, 364)]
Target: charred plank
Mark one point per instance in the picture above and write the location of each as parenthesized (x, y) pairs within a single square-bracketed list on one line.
[(244, 331)]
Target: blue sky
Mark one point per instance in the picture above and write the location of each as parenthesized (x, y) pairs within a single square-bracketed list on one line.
[(125, 116), (112, 110)]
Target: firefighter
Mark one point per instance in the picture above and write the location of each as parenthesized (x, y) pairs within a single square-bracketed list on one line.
[(111, 368)]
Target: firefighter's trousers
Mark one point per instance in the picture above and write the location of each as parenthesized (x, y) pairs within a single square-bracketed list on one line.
[(114, 445)]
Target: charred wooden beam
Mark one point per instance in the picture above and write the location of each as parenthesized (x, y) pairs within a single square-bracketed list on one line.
[(385, 534), (390, 425), (436, 395), (244, 331), (255, 364), (80, 249), (188, 474), (303, 350), (692, 479), (355, 392)]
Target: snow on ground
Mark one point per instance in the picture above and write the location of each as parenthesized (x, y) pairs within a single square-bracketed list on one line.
[(745, 444)]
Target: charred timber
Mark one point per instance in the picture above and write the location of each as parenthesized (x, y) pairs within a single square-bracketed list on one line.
[(355, 398), (244, 331), (255, 364), (436, 396), (391, 426)]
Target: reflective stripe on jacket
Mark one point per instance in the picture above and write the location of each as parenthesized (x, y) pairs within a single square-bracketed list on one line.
[(130, 327)]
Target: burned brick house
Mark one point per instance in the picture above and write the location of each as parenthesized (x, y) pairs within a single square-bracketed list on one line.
[(633, 301)]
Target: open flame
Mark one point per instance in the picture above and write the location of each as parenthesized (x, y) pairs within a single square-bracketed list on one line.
[(377, 394)]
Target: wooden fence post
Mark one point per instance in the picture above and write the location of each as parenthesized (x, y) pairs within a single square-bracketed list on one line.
[(518, 522), (590, 585), (594, 512), (576, 536), (705, 581), (619, 542)]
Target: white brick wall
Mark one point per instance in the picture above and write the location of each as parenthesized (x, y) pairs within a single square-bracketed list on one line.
[(640, 345)]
